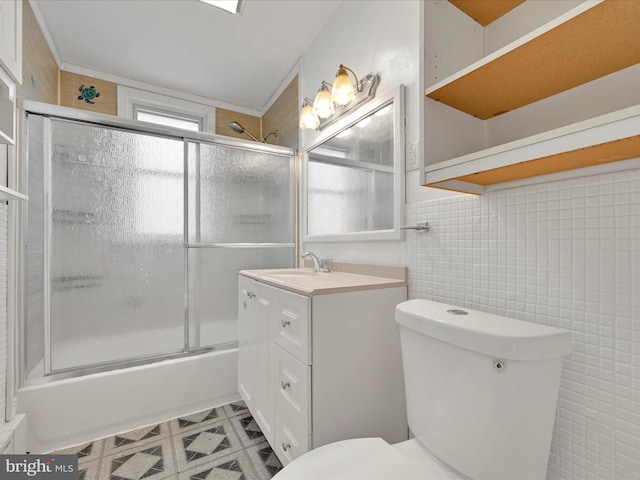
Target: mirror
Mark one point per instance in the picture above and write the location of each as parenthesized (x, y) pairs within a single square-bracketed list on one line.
[(354, 176)]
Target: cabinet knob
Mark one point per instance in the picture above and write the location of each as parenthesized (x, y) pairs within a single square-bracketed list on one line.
[(244, 304), (285, 385), (285, 446), (285, 323), (251, 295)]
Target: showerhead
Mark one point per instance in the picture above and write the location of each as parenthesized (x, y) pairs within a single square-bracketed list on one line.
[(236, 127)]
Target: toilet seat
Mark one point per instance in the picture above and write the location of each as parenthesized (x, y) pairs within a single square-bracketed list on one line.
[(364, 459)]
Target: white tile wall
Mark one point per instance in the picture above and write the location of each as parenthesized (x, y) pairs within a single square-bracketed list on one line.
[(3, 308), (565, 254)]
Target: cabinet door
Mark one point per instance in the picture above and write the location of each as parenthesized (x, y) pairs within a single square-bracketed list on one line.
[(11, 37), (292, 387), (247, 340), (263, 393)]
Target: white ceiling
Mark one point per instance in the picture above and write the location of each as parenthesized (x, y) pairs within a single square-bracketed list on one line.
[(187, 45)]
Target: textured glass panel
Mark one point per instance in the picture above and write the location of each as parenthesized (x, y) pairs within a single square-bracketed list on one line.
[(213, 288), (117, 258), (244, 196), (34, 245)]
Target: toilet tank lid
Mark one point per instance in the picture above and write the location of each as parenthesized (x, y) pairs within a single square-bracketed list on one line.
[(493, 335)]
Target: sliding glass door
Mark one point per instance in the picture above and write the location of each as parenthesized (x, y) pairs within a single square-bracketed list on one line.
[(134, 241)]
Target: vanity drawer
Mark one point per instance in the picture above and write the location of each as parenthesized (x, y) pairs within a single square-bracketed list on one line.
[(293, 404), (290, 444), (292, 325)]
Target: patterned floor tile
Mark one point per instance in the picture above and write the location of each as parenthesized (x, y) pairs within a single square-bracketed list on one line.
[(236, 466), (196, 420), (88, 470), (205, 444), (247, 429), (235, 408), (152, 461), (134, 438), (264, 461), (86, 452), (222, 443)]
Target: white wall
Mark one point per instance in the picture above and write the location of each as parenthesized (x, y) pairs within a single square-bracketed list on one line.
[(380, 37), (566, 254)]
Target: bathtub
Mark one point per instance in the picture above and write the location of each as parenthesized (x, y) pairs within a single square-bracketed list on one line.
[(74, 411)]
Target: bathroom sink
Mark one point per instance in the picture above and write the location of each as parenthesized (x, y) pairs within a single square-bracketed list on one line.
[(289, 272)]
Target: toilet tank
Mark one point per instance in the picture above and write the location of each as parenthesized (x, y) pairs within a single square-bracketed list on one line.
[(481, 389)]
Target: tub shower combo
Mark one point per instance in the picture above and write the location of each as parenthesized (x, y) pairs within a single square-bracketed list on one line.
[(133, 235)]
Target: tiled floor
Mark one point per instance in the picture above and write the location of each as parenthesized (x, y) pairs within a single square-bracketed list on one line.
[(222, 443)]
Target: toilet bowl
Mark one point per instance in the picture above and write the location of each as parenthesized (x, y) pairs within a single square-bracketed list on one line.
[(481, 396), (368, 459)]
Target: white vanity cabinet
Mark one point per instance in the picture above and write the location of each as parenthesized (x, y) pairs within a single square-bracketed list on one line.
[(315, 369)]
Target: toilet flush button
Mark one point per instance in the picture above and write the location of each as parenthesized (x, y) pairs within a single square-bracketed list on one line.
[(455, 311)]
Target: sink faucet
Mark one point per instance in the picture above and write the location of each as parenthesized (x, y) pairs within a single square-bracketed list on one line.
[(319, 265)]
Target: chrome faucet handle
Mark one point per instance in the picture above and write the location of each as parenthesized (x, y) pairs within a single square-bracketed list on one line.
[(326, 264)]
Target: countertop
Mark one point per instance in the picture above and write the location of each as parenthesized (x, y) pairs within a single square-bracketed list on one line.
[(344, 277)]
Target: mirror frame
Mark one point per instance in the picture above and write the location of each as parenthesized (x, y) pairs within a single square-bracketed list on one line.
[(395, 233)]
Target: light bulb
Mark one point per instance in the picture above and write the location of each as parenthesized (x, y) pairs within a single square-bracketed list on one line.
[(323, 105), (308, 119), (342, 91)]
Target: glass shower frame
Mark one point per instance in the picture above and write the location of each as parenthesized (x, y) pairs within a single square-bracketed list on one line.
[(188, 139)]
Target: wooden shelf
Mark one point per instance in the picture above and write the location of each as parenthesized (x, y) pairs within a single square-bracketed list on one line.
[(486, 11), (590, 41), (601, 140), (8, 194)]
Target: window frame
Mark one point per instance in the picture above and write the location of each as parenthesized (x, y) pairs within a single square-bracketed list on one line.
[(133, 100)]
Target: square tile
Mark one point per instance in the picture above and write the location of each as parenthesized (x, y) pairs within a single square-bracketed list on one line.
[(235, 466), (196, 420), (152, 461), (264, 460), (135, 438), (247, 429), (205, 444)]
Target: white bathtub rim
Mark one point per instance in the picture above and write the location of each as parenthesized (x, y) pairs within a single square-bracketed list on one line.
[(78, 410)]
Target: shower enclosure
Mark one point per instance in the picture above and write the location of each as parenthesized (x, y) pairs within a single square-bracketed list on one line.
[(134, 234)]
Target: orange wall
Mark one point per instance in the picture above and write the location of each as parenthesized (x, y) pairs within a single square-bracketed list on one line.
[(70, 84), (39, 69), (283, 117)]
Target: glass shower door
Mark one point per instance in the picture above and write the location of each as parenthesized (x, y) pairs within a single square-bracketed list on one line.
[(134, 240), (117, 264), (241, 216)]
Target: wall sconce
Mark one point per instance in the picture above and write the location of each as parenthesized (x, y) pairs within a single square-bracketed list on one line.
[(328, 106)]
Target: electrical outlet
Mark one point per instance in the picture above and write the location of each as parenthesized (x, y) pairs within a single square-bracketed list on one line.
[(412, 157)]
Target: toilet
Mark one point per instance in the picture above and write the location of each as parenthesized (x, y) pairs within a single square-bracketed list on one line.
[(481, 394)]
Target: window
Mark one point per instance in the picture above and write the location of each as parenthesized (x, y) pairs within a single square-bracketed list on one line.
[(169, 119), (164, 110)]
